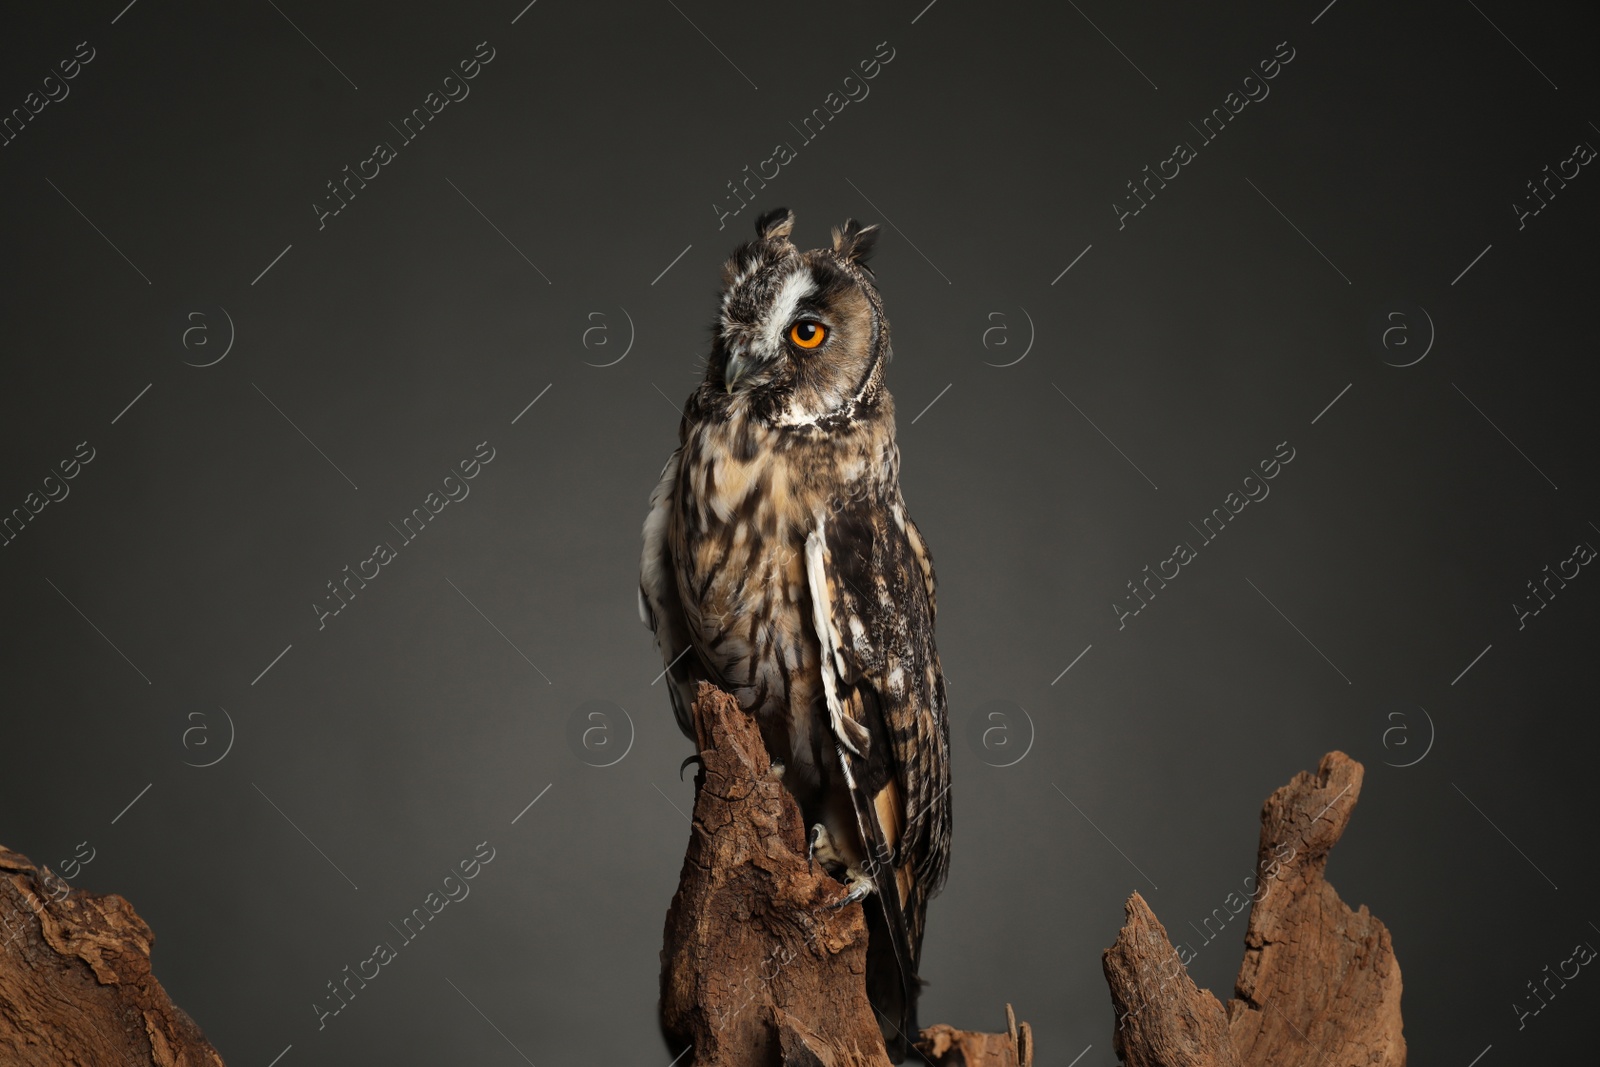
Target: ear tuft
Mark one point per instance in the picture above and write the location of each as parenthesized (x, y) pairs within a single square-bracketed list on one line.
[(854, 243), (775, 225)]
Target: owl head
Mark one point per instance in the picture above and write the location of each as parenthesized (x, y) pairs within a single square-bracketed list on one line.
[(800, 338)]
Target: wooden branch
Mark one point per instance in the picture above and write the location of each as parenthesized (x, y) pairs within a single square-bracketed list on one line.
[(1319, 982), (760, 964), (75, 980)]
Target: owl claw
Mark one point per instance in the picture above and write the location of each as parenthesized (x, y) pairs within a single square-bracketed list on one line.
[(694, 759), (860, 886), (821, 848)]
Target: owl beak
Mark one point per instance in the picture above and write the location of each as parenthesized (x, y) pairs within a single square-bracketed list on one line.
[(738, 367)]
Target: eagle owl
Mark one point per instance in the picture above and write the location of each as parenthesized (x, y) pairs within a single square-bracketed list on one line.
[(779, 564)]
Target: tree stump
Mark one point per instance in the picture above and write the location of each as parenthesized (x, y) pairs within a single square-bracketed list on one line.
[(760, 964), (1319, 982), (75, 980)]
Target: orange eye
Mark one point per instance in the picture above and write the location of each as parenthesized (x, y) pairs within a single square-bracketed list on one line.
[(808, 334)]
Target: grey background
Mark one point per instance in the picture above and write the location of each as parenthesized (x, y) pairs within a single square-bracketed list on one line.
[(413, 327)]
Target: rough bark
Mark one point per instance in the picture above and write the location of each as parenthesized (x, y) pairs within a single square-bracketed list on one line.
[(945, 1046), (1317, 978), (760, 964), (1319, 982), (75, 980), (1163, 1020)]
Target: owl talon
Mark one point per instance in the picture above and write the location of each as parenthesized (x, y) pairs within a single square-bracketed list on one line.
[(860, 885), (694, 759)]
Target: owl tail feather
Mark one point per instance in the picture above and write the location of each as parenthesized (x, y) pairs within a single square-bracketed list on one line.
[(891, 992), (893, 944)]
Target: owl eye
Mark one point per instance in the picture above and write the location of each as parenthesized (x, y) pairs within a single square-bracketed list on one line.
[(808, 334)]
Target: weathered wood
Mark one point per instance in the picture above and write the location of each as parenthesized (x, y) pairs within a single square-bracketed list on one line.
[(945, 1046), (760, 963), (75, 980), (1163, 1020), (1319, 982)]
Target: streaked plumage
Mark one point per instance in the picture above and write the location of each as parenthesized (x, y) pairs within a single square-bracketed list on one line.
[(780, 564)]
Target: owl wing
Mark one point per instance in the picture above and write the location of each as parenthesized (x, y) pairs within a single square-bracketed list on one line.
[(871, 582), (659, 606)]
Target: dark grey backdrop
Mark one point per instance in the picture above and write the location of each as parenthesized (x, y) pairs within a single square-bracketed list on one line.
[(573, 191)]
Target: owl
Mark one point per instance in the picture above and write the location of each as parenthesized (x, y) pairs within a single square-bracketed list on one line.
[(780, 564)]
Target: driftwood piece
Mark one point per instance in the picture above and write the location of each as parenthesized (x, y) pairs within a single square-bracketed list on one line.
[(945, 1046), (75, 980), (760, 965), (1163, 1020), (1319, 982), (1316, 975)]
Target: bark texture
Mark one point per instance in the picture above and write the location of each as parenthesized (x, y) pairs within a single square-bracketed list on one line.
[(945, 1046), (75, 980), (1319, 982), (1163, 1020), (1317, 978), (761, 966)]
